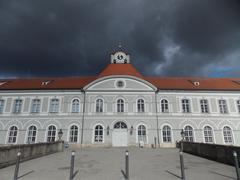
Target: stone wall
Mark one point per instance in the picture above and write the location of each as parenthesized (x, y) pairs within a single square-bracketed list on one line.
[(220, 153), (8, 154)]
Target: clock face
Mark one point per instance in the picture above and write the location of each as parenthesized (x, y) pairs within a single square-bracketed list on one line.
[(120, 57)]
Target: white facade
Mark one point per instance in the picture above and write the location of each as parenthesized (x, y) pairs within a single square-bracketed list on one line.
[(119, 110)]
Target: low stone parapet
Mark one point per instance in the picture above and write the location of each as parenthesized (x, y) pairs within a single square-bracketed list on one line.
[(216, 152), (8, 154)]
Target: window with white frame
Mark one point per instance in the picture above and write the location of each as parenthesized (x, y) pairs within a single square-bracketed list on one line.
[(54, 106), (32, 134), (73, 134), (208, 134), (167, 134), (188, 133), (120, 125), (185, 106), (98, 134), (2, 102), (120, 105), (75, 106), (142, 134), (227, 135), (222, 106), (51, 133), (36, 103), (204, 106), (140, 106), (17, 106), (238, 105), (164, 106), (99, 105), (12, 136)]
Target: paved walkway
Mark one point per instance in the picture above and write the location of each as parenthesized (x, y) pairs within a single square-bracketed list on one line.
[(107, 163)]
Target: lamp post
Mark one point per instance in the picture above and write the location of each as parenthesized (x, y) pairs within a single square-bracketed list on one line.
[(131, 130), (60, 134), (183, 137), (181, 156), (108, 129)]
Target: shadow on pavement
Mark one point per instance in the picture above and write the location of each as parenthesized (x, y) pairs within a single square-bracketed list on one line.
[(26, 174), (223, 175), (173, 174), (124, 175)]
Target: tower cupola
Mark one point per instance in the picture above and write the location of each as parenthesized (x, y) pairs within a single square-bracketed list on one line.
[(120, 57)]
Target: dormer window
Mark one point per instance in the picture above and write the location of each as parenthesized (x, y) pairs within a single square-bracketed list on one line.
[(195, 82), (2, 83), (45, 83), (237, 82)]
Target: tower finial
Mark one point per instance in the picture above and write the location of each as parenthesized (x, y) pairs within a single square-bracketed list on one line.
[(119, 45)]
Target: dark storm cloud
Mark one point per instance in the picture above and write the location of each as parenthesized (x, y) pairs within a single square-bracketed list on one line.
[(73, 37)]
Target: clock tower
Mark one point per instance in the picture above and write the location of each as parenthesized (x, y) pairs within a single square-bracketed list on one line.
[(120, 57)]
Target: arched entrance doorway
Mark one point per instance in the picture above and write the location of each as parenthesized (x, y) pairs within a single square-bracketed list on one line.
[(119, 136)]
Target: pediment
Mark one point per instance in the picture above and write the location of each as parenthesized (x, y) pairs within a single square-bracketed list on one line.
[(120, 84)]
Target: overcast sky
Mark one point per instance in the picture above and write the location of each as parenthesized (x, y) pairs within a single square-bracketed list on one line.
[(76, 37)]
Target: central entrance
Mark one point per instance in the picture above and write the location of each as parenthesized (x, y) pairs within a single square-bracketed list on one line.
[(119, 136)]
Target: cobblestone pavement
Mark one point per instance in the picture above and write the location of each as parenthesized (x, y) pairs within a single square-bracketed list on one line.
[(107, 163)]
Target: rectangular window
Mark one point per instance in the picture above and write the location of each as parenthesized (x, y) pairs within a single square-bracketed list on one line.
[(223, 106), (54, 106), (17, 106), (185, 106), (164, 106), (204, 106), (35, 106), (1, 105), (238, 105), (120, 105)]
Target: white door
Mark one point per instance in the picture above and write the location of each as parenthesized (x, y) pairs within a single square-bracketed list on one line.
[(119, 137)]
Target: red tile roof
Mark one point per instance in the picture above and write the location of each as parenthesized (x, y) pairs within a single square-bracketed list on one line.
[(162, 83), (46, 83), (120, 69), (185, 83)]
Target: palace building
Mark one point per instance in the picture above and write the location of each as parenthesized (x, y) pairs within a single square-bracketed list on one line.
[(120, 107)]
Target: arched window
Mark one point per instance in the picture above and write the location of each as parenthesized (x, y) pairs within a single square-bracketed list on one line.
[(120, 105), (98, 134), (73, 134), (167, 134), (142, 135), (12, 136), (188, 133), (32, 133), (227, 135), (208, 134), (99, 105), (75, 106), (120, 125), (51, 133), (164, 106), (140, 105)]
